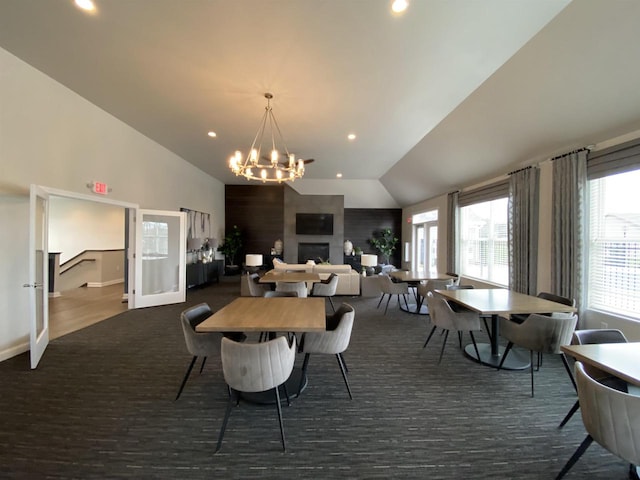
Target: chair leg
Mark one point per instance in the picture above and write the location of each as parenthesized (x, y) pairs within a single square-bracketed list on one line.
[(332, 306), (344, 375), (574, 458), (531, 368), (444, 342), (569, 372), (406, 303), (225, 420), (387, 305), (284, 446), (204, 359), (186, 376), (381, 297), (344, 363), (303, 374), (569, 414), (460, 339), (429, 337), (486, 326), (504, 355), (475, 345), (286, 394)]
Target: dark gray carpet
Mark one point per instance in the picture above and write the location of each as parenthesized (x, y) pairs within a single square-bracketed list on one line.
[(101, 405)]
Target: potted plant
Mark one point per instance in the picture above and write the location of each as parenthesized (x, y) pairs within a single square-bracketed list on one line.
[(230, 248), (385, 242)]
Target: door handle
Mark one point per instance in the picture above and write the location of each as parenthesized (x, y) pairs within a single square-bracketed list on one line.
[(33, 285)]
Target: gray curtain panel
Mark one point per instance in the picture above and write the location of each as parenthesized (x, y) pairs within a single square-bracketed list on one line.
[(568, 227), (452, 232), (524, 201)]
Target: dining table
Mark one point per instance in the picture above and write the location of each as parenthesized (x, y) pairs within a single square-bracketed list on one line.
[(413, 278), (498, 302), (275, 314), (621, 360)]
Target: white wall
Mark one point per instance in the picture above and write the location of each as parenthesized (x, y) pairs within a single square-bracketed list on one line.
[(51, 136), (95, 226)]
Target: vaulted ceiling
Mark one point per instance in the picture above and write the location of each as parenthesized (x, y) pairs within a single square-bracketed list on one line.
[(447, 94)]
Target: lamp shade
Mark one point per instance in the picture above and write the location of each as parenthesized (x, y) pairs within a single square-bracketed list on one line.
[(369, 260), (253, 260)]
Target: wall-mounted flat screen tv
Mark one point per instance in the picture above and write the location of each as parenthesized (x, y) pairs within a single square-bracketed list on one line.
[(314, 224)]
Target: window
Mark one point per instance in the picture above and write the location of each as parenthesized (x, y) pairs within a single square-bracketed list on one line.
[(614, 244), (483, 241), (155, 239), (425, 240)]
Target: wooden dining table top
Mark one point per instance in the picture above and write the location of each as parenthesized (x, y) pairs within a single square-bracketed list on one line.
[(418, 275), (289, 277), (619, 359), (275, 314), (497, 301)]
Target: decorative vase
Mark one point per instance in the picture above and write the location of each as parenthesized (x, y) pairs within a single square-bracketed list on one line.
[(278, 246), (348, 247)]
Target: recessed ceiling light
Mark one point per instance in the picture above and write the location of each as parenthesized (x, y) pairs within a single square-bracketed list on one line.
[(351, 136), (212, 134), (338, 175), (87, 5), (399, 6)]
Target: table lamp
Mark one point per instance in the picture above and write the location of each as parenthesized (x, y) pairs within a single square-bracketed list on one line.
[(368, 261), (253, 262)]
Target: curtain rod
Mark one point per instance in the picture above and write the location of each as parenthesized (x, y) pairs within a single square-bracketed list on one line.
[(521, 169), (569, 153)]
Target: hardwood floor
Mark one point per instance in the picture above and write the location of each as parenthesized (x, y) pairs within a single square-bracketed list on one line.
[(81, 307)]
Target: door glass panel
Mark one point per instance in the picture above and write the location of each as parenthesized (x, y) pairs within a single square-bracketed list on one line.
[(40, 265), (160, 262)]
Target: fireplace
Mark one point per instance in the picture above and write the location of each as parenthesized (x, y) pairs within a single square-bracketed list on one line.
[(318, 252)]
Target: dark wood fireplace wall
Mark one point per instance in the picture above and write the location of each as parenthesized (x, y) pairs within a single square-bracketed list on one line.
[(259, 212)]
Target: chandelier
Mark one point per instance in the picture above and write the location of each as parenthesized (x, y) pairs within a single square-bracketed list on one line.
[(267, 169)]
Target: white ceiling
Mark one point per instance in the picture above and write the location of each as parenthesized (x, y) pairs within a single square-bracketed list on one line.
[(448, 94)]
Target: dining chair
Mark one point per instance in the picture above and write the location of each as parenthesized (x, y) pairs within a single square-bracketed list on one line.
[(431, 286), (539, 333), (256, 289), (611, 418), (326, 288), (333, 341), (256, 367), (299, 287), (595, 336), (521, 317), (391, 288), (199, 344), (442, 316)]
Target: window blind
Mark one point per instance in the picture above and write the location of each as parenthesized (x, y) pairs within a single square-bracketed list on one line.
[(611, 161), (484, 194)]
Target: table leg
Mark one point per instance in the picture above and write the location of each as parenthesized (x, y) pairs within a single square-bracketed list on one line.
[(491, 354)]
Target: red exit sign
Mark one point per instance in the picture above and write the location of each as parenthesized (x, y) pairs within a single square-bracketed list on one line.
[(101, 188)]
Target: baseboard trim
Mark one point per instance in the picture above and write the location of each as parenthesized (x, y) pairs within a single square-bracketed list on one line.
[(13, 351)]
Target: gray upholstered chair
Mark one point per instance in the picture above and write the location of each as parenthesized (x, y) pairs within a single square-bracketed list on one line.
[(198, 344), (431, 286), (299, 287), (539, 333), (593, 336), (391, 288), (256, 367), (442, 316), (334, 341), (552, 297), (273, 293), (256, 289), (326, 288), (611, 418)]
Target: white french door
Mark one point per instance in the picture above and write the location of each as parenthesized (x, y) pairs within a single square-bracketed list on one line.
[(425, 255), (160, 258), (38, 273)]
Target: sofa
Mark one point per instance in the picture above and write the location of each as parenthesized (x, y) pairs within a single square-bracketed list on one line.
[(348, 278)]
